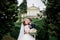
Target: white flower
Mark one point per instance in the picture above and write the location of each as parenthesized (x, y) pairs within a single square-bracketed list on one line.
[(33, 31)]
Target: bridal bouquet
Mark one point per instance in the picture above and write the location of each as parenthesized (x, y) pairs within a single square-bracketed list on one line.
[(33, 31)]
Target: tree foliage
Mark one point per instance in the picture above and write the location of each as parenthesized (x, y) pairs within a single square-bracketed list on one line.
[(53, 17), (41, 26), (8, 13), (23, 7)]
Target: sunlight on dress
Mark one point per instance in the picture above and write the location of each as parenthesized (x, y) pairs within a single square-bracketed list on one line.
[(27, 36)]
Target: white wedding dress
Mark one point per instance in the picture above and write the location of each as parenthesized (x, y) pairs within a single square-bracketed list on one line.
[(26, 36)]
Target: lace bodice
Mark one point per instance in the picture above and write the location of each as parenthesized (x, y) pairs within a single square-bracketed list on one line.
[(26, 28)]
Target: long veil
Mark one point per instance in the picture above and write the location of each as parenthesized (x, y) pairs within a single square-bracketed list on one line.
[(21, 32)]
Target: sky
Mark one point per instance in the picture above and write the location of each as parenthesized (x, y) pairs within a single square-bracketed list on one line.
[(37, 3)]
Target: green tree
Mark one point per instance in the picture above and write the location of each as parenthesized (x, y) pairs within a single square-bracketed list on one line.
[(22, 10), (53, 17), (41, 26), (8, 13), (23, 7)]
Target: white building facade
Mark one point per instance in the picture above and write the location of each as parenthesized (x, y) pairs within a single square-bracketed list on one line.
[(32, 12)]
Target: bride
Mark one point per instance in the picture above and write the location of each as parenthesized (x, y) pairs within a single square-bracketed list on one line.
[(24, 32)]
